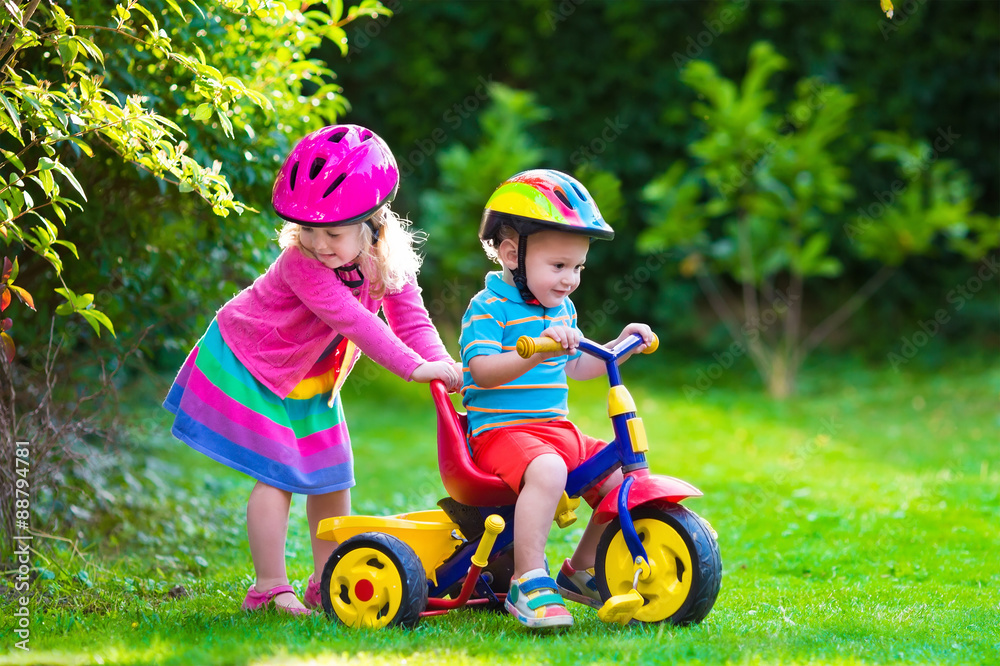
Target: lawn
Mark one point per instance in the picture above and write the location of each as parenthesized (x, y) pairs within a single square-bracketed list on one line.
[(858, 524)]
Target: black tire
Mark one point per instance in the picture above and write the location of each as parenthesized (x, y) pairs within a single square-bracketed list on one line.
[(382, 568), (678, 593)]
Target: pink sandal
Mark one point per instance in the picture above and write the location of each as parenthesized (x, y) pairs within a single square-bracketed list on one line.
[(265, 600), (312, 598)]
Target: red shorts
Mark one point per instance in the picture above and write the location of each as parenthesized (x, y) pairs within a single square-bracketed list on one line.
[(507, 451)]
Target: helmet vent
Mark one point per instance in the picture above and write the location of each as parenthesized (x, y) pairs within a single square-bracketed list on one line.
[(334, 185), (366, 136), (562, 197), (337, 136), (578, 192), (316, 167), (291, 179)]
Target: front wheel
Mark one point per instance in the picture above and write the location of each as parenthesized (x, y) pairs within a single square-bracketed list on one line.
[(686, 568), (374, 580)]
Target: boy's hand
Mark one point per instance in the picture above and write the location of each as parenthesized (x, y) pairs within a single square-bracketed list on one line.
[(643, 331), (568, 337), (442, 370)]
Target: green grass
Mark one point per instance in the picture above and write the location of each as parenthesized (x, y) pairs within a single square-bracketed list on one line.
[(858, 524)]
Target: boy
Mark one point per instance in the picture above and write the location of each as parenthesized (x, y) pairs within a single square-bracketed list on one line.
[(538, 225)]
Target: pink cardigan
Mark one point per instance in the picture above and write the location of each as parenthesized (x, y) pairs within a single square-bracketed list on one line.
[(279, 326)]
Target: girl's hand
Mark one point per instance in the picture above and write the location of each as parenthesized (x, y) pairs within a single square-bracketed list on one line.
[(461, 377), (568, 337), (442, 370)]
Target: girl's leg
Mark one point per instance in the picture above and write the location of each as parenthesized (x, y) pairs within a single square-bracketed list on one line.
[(318, 507), (586, 551), (267, 528), (544, 482)]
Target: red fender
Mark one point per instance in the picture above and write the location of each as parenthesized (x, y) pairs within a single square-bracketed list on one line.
[(645, 488)]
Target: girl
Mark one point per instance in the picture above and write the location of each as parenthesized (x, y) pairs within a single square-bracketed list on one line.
[(260, 390)]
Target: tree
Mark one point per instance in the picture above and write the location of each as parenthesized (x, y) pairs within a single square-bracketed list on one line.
[(758, 204), (109, 115), (150, 98)]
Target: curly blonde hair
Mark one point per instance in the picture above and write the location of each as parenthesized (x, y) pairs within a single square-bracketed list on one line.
[(389, 264)]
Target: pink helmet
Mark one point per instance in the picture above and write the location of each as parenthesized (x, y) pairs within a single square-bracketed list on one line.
[(337, 175)]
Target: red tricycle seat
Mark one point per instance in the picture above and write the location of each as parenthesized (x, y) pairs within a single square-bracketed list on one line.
[(464, 482)]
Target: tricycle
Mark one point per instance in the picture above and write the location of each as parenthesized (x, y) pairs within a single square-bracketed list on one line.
[(657, 561)]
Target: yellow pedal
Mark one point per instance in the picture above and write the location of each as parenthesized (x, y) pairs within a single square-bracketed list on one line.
[(565, 514), (621, 608)]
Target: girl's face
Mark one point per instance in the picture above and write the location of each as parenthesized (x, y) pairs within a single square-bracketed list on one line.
[(333, 247)]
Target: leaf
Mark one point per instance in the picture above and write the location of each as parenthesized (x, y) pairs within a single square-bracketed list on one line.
[(887, 7), (90, 48), (336, 9), (203, 112), (13, 159), (66, 293), (15, 270), (89, 316), (8, 347), (24, 296), (227, 124), (82, 145), (97, 317), (6, 324), (64, 170), (4, 298), (68, 50), (173, 6), (70, 245), (12, 112), (8, 268), (64, 309)]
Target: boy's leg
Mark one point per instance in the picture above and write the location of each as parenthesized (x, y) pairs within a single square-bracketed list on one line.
[(267, 528), (576, 579), (586, 551), (544, 482), (533, 597)]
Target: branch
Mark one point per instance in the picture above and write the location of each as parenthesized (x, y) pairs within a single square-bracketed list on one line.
[(793, 317), (10, 41), (750, 305), (758, 353), (844, 312)]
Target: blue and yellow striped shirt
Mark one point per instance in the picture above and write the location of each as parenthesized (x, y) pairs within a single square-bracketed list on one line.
[(496, 318)]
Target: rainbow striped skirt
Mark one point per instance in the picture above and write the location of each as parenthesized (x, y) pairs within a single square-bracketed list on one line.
[(299, 443)]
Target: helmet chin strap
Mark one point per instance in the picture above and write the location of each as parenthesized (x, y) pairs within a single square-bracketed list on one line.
[(344, 272), (374, 229), (520, 275)]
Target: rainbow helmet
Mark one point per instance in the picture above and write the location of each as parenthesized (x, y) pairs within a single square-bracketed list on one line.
[(337, 175), (541, 199)]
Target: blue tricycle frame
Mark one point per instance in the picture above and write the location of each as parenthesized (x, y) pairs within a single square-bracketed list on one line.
[(657, 561)]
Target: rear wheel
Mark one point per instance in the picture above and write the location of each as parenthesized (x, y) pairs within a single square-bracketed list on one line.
[(374, 580), (686, 568)]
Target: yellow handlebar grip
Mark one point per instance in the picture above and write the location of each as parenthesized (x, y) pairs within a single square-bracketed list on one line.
[(528, 346), (494, 526), (653, 346)]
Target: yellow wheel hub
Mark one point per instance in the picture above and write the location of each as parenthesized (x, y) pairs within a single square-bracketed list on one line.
[(366, 589), (669, 582)]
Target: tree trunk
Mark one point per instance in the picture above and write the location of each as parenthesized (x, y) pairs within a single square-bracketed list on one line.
[(781, 381)]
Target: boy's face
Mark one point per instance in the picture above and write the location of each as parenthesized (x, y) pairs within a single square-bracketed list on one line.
[(553, 264)]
